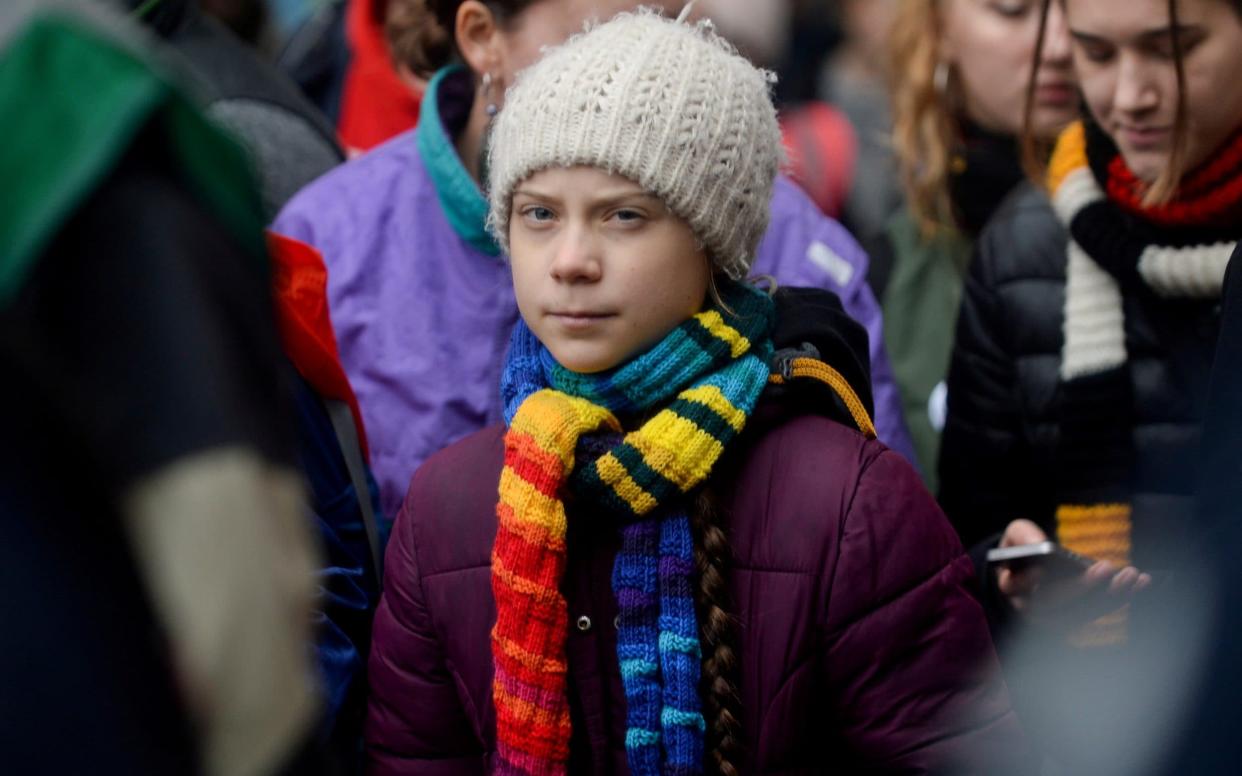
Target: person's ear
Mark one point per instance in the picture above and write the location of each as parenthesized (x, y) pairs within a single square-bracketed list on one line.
[(478, 37)]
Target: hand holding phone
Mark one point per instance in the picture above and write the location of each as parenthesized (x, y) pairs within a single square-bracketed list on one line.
[(1052, 558), (1048, 582)]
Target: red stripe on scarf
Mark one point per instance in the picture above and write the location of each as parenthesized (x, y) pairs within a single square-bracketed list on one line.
[(525, 458), (528, 641), (1208, 196)]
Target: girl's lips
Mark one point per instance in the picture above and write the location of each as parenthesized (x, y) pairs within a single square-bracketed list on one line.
[(577, 319), (1144, 138), (1055, 94)]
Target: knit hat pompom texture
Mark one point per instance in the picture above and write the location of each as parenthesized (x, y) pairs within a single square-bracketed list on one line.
[(669, 105)]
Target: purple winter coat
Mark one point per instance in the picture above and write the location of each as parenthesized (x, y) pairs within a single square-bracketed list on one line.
[(861, 647)]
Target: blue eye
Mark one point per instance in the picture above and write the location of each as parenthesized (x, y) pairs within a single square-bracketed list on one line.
[(628, 216), (538, 213)]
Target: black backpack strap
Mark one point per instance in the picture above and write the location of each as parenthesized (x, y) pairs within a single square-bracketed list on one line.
[(347, 436)]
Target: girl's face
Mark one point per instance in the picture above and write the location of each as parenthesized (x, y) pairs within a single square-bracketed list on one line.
[(1123, 52), (602, 270), (991, 45)]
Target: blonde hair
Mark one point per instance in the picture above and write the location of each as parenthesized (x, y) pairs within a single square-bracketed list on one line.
[(925, 124)]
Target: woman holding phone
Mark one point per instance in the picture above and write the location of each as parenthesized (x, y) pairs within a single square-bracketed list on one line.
[(1079, 376)]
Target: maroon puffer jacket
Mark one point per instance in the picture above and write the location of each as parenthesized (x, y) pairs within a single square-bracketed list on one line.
[(861, 646)]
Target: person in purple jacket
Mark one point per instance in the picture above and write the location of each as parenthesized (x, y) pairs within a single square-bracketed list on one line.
[(669, 559), (420, 294)]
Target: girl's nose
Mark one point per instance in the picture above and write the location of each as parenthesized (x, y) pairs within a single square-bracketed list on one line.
[(577, 258)]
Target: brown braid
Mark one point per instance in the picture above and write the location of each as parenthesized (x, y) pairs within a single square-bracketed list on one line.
[(721, 704)]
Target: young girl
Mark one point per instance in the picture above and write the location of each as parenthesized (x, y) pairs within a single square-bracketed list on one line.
[(420, 295), (961, 70), (680, 573)]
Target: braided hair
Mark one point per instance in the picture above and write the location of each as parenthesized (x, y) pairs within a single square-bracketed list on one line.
[(718, 689)]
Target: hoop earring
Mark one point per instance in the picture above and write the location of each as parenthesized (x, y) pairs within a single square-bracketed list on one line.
[(940, 79), (485, 88)]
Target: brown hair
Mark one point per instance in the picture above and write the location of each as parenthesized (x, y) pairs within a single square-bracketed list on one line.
[(925, 124), (1163, 189), (421, 32), (718, 688)]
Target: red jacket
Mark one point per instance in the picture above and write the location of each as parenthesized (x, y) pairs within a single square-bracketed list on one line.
[(861, 646)]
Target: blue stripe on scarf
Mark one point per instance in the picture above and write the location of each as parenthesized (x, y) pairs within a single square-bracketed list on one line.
[(635, 580), (681, 718)]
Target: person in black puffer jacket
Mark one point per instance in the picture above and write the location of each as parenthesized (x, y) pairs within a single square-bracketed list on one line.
[(1080, 372), (1086, 336)]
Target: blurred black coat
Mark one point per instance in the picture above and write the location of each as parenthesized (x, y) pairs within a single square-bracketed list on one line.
[(999, 449), (289, 141)]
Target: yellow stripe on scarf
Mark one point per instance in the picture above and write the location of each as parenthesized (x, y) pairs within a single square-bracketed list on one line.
[(614, 474), (555, 420), (716, 325), (1070, 154), (530, 506), (665, 442), (714, 398), (1100, 531)]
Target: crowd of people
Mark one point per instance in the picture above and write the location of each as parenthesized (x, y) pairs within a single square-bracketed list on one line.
[(536, 387)]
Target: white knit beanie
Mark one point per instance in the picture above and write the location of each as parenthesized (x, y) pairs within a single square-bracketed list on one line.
[(669, 105)]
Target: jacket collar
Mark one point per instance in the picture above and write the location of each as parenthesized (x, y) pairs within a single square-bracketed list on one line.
[(463, 202)]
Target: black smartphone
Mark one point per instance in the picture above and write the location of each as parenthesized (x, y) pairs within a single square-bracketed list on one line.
[(1048, 554)]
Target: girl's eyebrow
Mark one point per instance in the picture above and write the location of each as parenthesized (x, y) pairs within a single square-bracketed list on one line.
[(1084, 37), (1161, 33), (1146, 36), (596, 200), (525, 191)]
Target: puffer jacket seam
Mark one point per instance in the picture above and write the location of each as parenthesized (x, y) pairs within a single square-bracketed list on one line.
[(440, 630), (458, 570), (761, 570), (865, 465), (823, 639), (932, 578), (999, 718)]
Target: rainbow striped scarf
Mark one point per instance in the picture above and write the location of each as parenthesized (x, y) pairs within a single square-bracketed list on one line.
[(706, 375)]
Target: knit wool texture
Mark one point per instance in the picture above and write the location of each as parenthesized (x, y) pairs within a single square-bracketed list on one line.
[(1115, 243), (705, 376), (668, 105)]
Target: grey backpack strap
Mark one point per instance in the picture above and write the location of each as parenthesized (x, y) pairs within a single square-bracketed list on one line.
[(347, 436)]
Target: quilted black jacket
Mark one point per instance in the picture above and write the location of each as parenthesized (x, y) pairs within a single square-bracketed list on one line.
[(999, 443)]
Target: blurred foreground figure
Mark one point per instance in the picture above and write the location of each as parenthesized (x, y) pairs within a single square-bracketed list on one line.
[(156, 563), (1212, 745), (1168, 707), (289, 141)]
